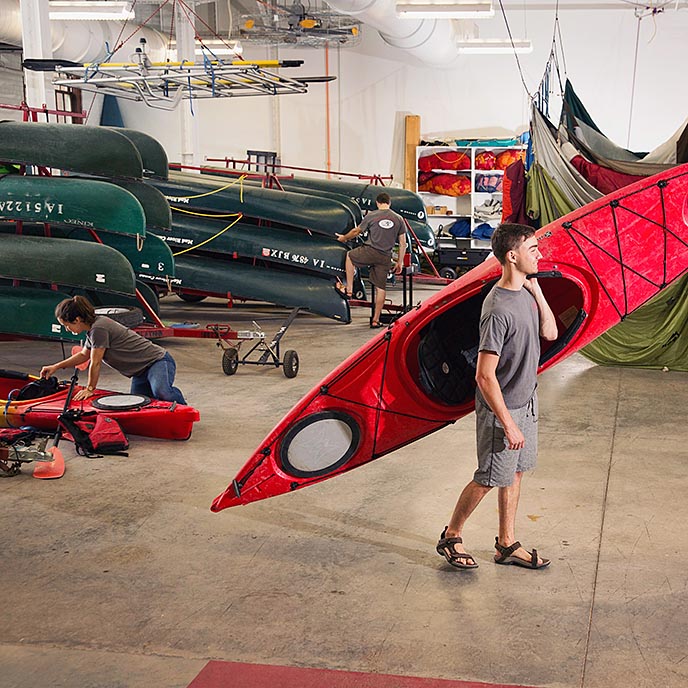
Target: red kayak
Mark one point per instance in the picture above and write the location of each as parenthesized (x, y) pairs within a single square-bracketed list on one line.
[(599, 264), (137, 414)]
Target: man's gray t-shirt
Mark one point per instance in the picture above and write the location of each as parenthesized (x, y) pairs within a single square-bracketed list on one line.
[(125, 351), (384, 227), (510, 327)]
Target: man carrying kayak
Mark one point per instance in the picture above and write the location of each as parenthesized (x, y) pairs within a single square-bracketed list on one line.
[(515, 314)]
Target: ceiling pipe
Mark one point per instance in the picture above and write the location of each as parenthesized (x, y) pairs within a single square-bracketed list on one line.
[(432, 41), (84, 41)]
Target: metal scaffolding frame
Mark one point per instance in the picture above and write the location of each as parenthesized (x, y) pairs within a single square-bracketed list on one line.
[(163, 85)]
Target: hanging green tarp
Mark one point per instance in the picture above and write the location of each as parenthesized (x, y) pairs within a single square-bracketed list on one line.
[(544, 200), (654, 336), (573, 107)]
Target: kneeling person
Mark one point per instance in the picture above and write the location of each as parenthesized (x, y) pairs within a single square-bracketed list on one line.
[(150, 367)]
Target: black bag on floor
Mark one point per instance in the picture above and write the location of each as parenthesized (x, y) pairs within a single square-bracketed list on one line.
[(94, 434)]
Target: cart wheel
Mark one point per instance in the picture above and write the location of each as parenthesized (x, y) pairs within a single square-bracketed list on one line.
[(230, 361), (359, 294), (448, 273), (191, 298), (290, 363)]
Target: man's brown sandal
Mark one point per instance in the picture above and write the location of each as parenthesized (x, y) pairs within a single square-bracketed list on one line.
[(342, 291), (460, 560), (506, 557)]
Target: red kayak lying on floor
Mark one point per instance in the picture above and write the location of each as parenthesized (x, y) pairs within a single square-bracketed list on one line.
[(600, 263), (137, 414)]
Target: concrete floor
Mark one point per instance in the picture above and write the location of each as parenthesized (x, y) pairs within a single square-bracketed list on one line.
[(119, 575)]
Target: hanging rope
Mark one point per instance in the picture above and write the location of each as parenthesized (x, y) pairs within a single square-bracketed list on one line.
[(545, 87), (203, 243), (518, 62), (635, 69), (197, 214), (222, 188)]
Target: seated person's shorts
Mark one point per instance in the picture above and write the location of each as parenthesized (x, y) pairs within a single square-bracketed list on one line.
[(497, 464), (378, 262)]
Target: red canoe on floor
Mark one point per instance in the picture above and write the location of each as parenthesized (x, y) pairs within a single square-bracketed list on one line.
[(138, 415), (605, 260)]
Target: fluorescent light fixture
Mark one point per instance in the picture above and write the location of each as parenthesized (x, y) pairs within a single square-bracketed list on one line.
[(491, 46), (85, 10), (219, 51), (445, 9)]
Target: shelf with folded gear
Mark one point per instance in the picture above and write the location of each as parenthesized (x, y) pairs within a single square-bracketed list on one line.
[(462, 190)]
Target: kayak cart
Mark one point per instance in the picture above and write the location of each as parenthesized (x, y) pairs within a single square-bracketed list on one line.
[(268, 353)]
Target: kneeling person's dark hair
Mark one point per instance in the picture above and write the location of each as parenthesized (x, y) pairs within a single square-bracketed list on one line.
[(383, 198), (76, 307), (508, 237)]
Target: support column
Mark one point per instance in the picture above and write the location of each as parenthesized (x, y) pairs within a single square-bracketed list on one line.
[(186, 46), (276, 131), (37, 44)]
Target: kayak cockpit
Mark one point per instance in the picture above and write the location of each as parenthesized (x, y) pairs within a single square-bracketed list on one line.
[(448, 347)]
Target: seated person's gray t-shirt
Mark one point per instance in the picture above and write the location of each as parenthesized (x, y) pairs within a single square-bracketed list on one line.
[(125, 351), (510, 328)]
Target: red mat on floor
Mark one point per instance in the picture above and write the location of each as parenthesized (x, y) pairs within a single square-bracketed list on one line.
[(237, 675)]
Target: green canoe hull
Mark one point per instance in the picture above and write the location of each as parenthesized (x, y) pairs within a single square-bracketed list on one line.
[(30, 312), (66, 263), (408, 204), (77, 148), (101, 298), (154, 259), (153, 155), (83, 203), (294, 249), (215, 181), (220, 277), (317, 214), (156, 209), (424, 234)]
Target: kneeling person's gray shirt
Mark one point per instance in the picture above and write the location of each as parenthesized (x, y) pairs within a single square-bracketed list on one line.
[(125, 351)]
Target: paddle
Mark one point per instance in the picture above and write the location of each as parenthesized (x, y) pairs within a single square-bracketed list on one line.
[(49, 470)]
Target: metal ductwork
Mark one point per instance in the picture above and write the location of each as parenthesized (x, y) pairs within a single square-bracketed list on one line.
[(83, 41), (432, 41)]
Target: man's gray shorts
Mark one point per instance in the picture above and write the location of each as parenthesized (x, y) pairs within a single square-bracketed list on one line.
[(497, 465)]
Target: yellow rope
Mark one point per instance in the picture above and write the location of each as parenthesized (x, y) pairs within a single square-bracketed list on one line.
[(222, 188), (193, 212), (191, 248)]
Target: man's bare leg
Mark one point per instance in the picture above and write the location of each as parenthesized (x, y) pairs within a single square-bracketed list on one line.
[(469, 499), (380, 295), (350, 272), (507, 501)]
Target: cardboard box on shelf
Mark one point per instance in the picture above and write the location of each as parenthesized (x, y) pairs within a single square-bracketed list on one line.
[(440, 210), (429, 209)]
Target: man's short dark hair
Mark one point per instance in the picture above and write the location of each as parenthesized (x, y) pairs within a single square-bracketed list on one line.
[(383, 198), (508, 237)]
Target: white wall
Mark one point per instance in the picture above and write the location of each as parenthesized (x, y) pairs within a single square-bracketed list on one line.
[(477, 94)]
